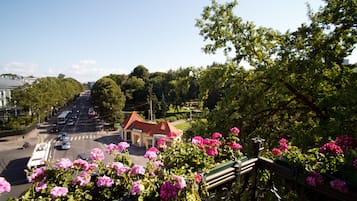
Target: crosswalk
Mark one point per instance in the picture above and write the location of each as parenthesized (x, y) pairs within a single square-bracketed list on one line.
[(79, 137)]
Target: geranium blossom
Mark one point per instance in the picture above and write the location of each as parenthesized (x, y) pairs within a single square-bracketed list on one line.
[(198, 178), (97, 154), (137, 169), (235, 130), (154, 149), (197, 140), (180, 182), (137, 188), (276, 152), (168, 191), (40, 186), (82, 164), (150, 155), (37, 174), (63, 163), (339, 185), (82, 180), (158, 164), (216, 135), (123, 169), (346, 142), (105, 181), (235, 146), (59, 191), (4, 185), (161, 143), (211, 151), (331, 148), (314, 179), (123, 146), (111, 148), (283, 141), (284, 147)]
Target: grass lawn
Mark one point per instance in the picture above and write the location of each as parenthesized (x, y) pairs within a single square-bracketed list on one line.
[(183, 126)]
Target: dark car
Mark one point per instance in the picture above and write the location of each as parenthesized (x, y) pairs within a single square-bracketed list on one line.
[(83, 156), (53, 130)]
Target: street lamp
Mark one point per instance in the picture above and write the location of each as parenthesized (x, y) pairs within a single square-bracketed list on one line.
[(15, 109)]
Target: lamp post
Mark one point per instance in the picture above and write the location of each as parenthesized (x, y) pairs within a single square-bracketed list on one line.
[(15, 109)]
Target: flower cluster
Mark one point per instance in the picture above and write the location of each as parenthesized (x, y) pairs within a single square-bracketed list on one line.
[(220, 146), (321, 162), (4, 185), (331, 148)]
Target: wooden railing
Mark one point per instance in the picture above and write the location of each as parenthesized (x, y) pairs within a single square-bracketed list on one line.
[(241, 180)]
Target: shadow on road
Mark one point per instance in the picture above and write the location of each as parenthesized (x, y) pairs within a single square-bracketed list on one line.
[(15, 171)]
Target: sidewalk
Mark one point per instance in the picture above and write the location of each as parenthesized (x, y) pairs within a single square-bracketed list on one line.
[(16, 142)]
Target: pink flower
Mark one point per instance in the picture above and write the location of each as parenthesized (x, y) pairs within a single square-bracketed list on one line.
[(283, 141), (339, 185), (111, 148), (346, 142), (198, 178), (123, 146), (168, 191), (38, 174), (137, 169), (216, 135), (284, 147), (97, 154), (105, 181), (92, 166), (235, 130), (64, 163), (82, 180), (4, 185), (40, 186), (198, 140), (82, 164), (58, 191), (161, 143), (123, 169), (211, 151), (158, 164), (276, 152), (180, 182), (150, 155), (116, 165), (211, 142), (154, 149), (314, 179), (137, 188), (235, 146), (331, 148)]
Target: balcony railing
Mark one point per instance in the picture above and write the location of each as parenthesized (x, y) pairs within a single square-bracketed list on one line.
[(259, 178)]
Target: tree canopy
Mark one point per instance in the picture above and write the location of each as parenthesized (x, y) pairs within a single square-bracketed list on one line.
[(300, 87)]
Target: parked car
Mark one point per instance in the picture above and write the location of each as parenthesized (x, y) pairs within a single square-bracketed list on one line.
[(66, 145), (70, 122), (63, 136)]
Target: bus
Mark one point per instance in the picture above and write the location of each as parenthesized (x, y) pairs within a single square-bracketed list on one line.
[(63, 117), (39, 155)]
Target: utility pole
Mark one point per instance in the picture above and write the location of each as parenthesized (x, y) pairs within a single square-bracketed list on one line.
[(151, 116)]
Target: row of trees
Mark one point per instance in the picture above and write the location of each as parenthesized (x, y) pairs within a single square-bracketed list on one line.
[(141, 90), (41, 99)]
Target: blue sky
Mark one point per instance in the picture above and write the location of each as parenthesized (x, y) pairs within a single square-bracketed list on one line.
[(87, 39)]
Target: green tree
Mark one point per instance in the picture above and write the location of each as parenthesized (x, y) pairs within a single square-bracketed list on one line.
[(109, 98), (299, 88)]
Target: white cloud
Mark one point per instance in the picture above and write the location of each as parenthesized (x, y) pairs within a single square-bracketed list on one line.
[(86, 70), (20, 68), (87, 62)]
